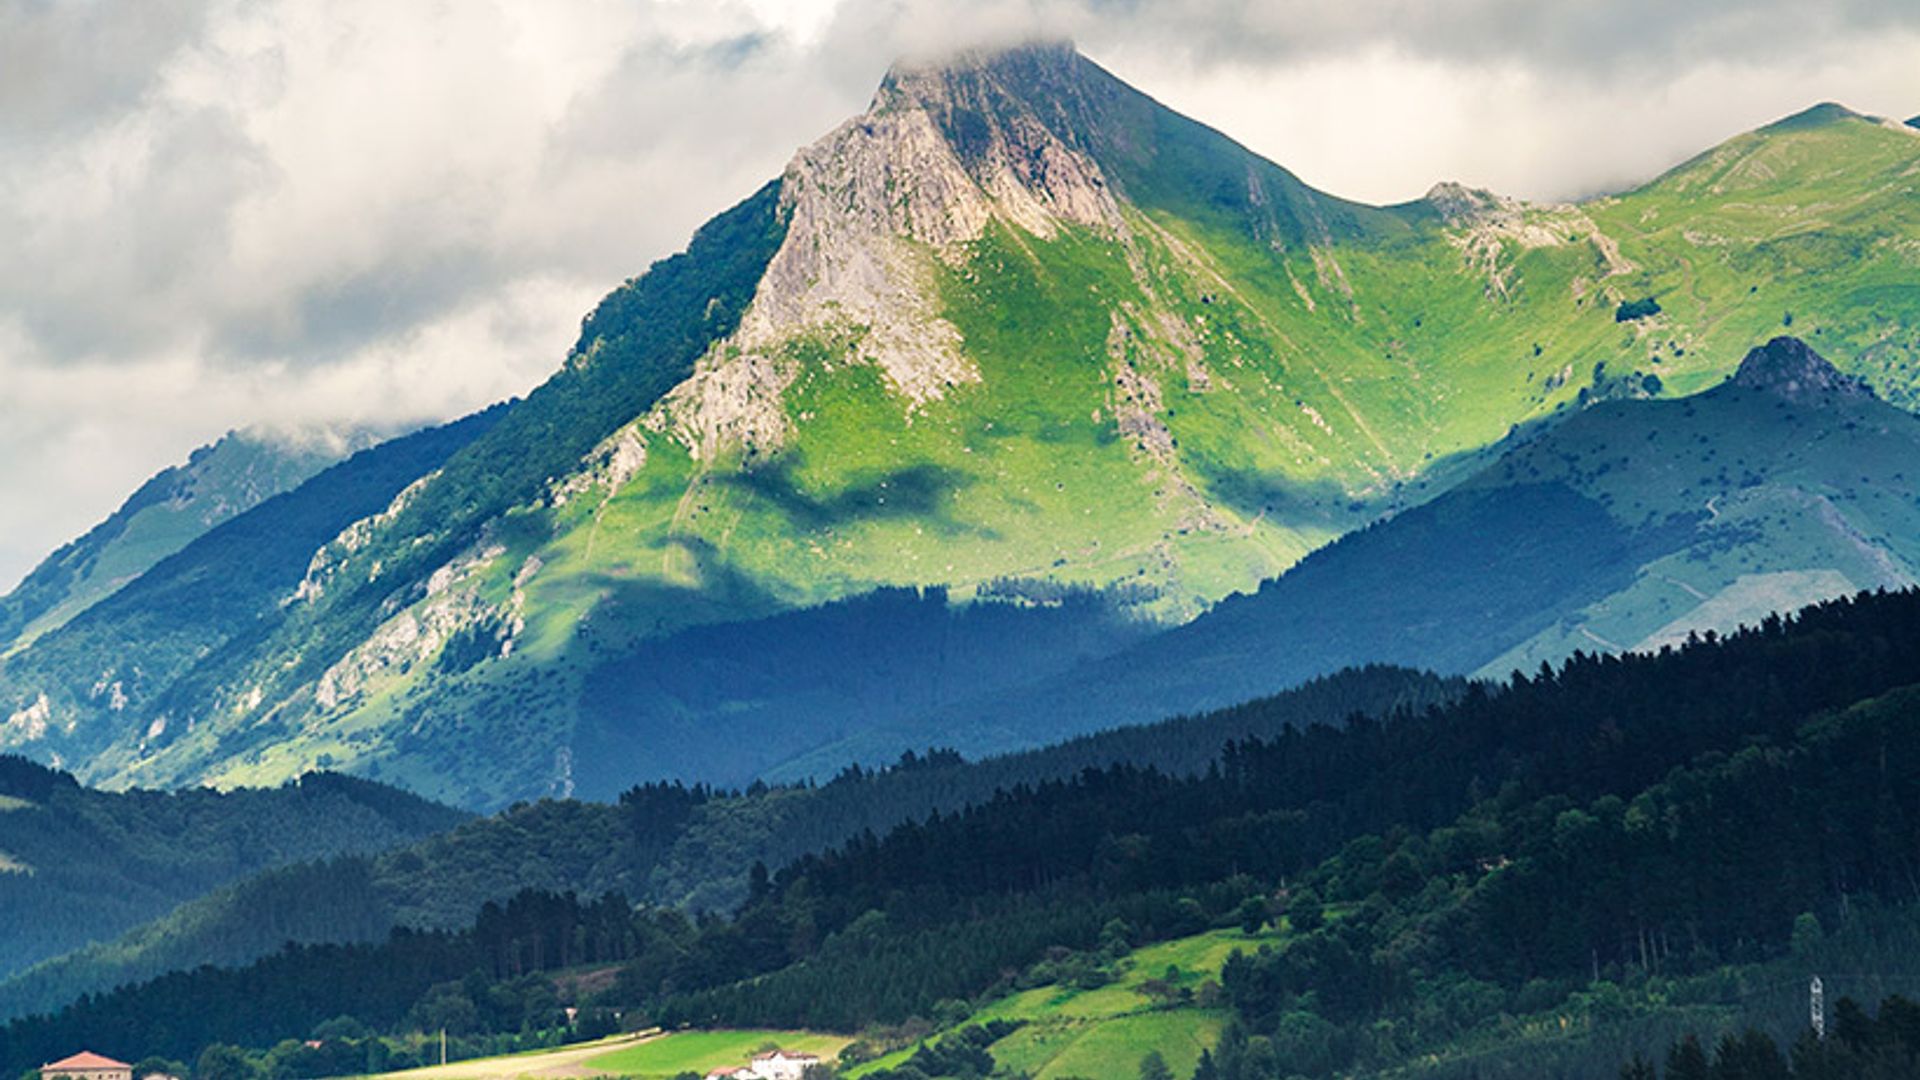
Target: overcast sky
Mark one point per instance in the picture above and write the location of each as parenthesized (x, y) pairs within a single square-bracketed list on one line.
[(308, 213)]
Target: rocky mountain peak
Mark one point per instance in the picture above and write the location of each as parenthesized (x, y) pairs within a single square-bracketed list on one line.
[(1788, 367), (1009, 110), (946, 150), (1460, 205), (1033, 65)]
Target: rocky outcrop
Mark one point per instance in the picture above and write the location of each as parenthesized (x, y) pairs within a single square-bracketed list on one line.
[(28, 724), (1482, 224), (872, 210), (615, 461), (334, 555), (453, 604)]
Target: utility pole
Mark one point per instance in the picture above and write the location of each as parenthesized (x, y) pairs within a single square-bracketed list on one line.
[(443, 1042), (1817, 1007)]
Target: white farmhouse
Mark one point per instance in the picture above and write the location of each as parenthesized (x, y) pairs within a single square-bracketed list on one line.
[(781, 1065), (771, 1065)]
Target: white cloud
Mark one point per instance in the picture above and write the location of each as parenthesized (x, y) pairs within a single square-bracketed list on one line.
[(293, 212)]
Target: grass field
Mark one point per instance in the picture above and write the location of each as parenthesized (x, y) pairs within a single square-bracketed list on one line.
[(1068, 1032), (643, 1056), (701, 1051)]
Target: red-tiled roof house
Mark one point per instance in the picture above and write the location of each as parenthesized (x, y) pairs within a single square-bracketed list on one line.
[(87, 1065)]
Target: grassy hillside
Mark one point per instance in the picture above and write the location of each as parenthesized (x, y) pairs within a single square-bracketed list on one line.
[(1158, 1001), (1629, 526), (1069, 1032)]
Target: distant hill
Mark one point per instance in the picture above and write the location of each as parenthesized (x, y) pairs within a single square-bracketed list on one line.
[(216, 595), (691, 848), (727, 704), (78, 865), (1630, 526), (218, 481)]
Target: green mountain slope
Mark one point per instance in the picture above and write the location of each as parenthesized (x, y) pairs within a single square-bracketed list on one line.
[(78, 865), (1630, 526), (218, 481), (1016, 321)]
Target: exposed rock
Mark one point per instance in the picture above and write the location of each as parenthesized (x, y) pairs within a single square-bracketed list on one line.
[(415, 635), (354, 537), (735, 403), (941, 152), (1483, 224), (29, 724), (618, 459), (1136, 400), (1001, 114)]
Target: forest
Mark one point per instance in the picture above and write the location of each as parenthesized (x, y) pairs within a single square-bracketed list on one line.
[(1617, 830), (1860, 1046), (90, 864), (661, 843)]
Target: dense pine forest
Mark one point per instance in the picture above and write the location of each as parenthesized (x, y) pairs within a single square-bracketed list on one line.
[(1618, 830)]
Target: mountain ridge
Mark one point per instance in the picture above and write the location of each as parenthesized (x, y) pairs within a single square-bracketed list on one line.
[(218, 481), (79, 865), (1590, 526)]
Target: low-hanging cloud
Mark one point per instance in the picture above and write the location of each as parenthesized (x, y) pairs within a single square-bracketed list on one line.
[(292, 213)]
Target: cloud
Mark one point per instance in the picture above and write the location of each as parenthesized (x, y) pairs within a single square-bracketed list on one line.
[(219, 213)]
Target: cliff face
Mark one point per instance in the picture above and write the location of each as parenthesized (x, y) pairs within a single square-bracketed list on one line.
[(942, 152)]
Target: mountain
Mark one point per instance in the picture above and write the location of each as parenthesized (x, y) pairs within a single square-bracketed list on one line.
[(1629, 526), (1016, 321), (78, 865), (218, 481)]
